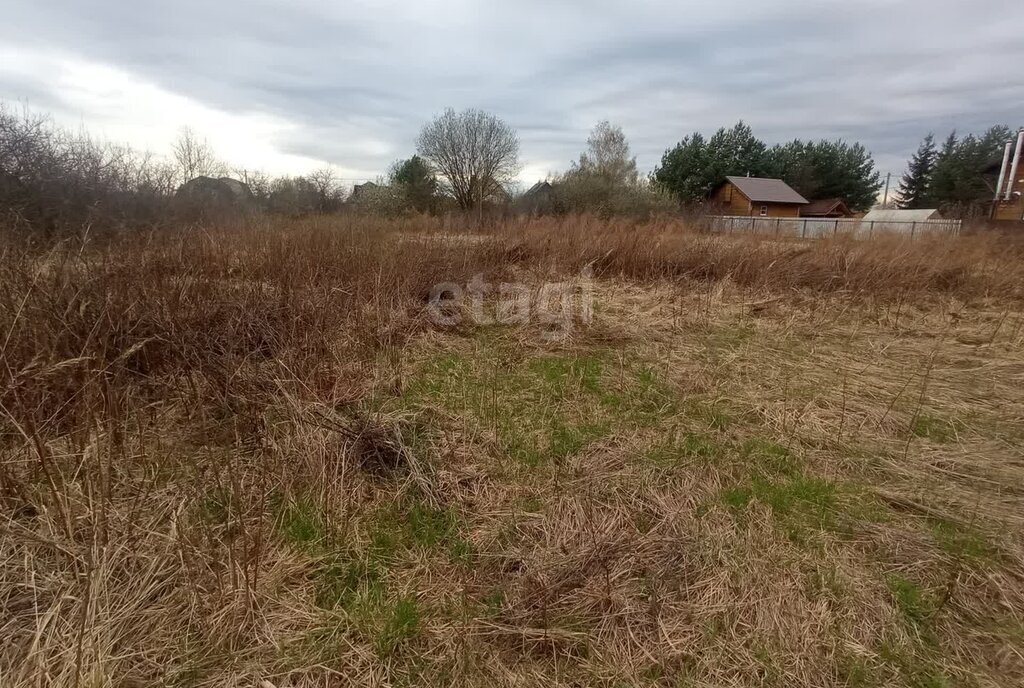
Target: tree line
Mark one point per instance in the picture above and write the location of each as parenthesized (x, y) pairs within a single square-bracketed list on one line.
[(815, 169), (465, 161), (953, 176)]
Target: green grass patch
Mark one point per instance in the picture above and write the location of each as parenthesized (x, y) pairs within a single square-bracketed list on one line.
[(566, 440), (728, 338), (641, 396), (416, 525), (215, 506), (855, 672), (715, 415), (737, 498), (960, 541), (915, 665), (534, 445), (339, 583), (493, 602), (799, 503), (768, 457), (542, 408), (401, 625), (302, 522), (911, 599), (798, 495), (938, 430), (427, 527), (687, 448), (565, 375)]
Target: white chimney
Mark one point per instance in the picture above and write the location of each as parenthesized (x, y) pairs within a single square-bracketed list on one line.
[(1013, 168), (1002, 169)]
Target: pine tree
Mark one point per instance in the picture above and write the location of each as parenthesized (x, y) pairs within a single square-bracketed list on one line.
[(958, 186), (913, 191), (816, 169), (945, 173), (827, 169)]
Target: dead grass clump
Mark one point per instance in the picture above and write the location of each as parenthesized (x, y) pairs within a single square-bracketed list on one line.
[(377, 447)]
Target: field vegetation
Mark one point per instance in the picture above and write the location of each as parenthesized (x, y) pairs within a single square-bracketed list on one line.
[(245, 454)]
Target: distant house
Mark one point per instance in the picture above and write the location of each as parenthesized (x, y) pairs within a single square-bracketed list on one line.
[(891, 215), (360, 189), (208, 192), (831, 208), (758, 197), (538, 200)]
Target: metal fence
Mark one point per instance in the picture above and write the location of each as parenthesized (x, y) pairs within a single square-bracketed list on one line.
[(817, 228)]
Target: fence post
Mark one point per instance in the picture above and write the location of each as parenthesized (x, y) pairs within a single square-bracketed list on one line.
[(803, 233), (871, 229), (835, 231), (777, 220), (913, 228)]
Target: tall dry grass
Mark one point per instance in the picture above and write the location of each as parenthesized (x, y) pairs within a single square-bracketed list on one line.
[(139, 374)]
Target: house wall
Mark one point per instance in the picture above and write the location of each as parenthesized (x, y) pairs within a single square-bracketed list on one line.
[(732, 202), (777, 210), (1011, 210)]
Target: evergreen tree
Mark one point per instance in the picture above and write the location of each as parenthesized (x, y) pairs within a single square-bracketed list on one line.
[(945, 173), (795, 163), (693, 169), (683, 170), (416, 182), (735, 152), (817, 169), (913, 189), (958, 181), (827, 169)]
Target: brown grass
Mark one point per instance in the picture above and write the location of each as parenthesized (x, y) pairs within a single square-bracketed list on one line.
[(242, 454)]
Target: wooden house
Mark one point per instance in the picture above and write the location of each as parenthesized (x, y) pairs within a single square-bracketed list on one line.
[(830, 208), (1008, 205), (360, 189), (757, 197), (538, 200), (1011, 210)]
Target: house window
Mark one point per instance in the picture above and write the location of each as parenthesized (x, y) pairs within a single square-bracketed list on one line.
[(764, 211)]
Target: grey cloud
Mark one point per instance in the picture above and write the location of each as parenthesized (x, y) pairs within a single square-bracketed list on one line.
[(358, 80)]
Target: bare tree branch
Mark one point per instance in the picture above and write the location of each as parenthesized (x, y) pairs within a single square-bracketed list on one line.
[(474, 152)]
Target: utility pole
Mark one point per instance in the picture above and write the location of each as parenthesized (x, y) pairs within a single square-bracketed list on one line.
[(885, 199)]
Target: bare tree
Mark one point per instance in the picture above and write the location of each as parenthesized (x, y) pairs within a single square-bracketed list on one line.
[(475, 153), (328, 189), (605, 179), (259, 183), (608, 156), (54, 179), (194, 156)]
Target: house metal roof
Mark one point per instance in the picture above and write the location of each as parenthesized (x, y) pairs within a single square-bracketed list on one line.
[(762, 190), (881, 215), (538, 187), (824, 206)]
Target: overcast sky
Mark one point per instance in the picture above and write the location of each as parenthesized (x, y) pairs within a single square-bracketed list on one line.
[(289, 85)]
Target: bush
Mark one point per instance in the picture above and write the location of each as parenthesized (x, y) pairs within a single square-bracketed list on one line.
[(55, 180), (585, 193)]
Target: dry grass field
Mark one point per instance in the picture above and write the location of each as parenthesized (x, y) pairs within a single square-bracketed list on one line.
[(248, 456)]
